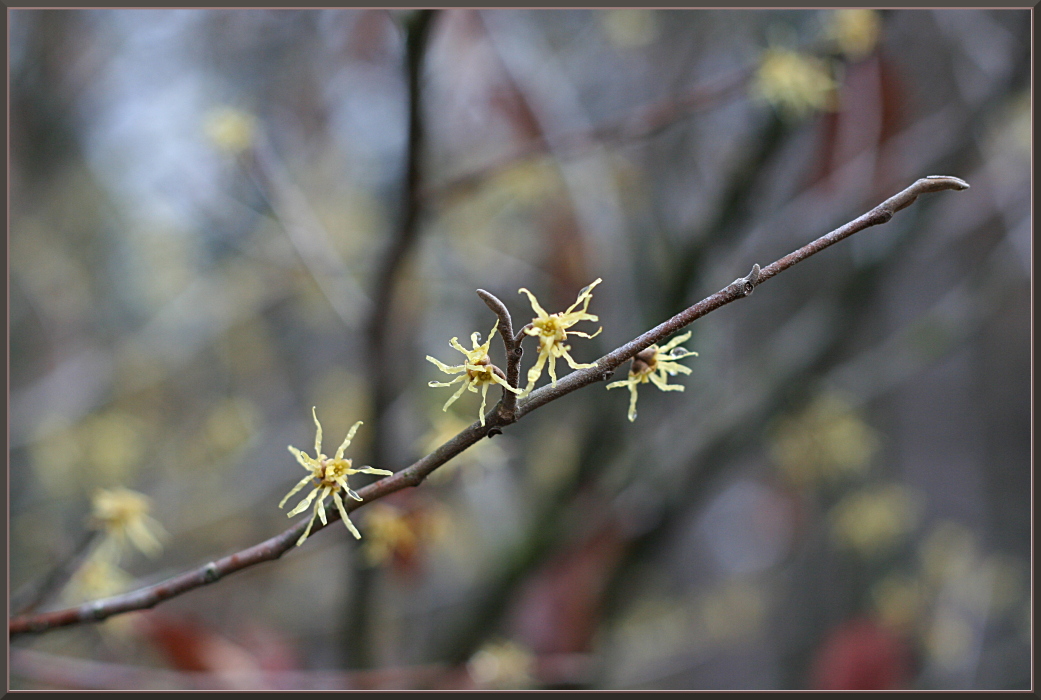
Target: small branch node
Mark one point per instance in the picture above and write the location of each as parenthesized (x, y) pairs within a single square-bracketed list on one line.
[(210, 573), (493, 432)]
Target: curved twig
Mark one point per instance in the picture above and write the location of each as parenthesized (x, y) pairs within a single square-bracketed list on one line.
[(413, 475), (514, 351)]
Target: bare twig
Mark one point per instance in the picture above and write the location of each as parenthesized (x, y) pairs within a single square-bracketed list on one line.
[(514, 351), (643, 122), (60, 575), (413, 475)]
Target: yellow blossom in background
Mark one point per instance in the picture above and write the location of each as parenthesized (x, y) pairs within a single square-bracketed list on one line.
[(872, 521), (330, 474), (655, 365), (733, 613), (445, 425), (393, 532), (827, 441), (99, 577), (629, 28), (123, 516), (794, 84), (476, 371), (899, 601), (230, 129), (552, 331), (854, 32), (502, 665), (949, 641), (389, 531)]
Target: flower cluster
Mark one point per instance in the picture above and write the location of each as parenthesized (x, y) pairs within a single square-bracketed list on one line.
[(655, 364), (476, 373), (329, 474), (123, 515)]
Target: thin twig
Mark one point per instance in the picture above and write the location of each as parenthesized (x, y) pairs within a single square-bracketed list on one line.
[(60, 575), (643, 122), (413, 475), (514, 351)]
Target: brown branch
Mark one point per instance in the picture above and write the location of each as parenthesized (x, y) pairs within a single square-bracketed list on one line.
[(514, 351), (415, 474), (60, 575), (643, 122)]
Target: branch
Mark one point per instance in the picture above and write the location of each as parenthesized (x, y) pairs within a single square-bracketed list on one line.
[(60, 575), (414, 475), (514, 351)]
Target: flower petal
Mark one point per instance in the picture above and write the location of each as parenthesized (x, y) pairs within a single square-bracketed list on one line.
[(347, 440), (307, 531), (455, 396), (317, 435), (300, 484), (484, 401), (676, 340), (305, 461), (584, 295), (577, 365), (632, 402), (344, 518), (539, 311), (673, 369), (370, 470), (447, 369), (319, 506), (302, 505)]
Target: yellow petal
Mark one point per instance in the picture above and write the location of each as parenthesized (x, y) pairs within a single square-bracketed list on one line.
[(484, 399), (539, 311), (632, 402), (676, 340), (305, 461), (347, 440), (343, 516), (303, 482), (319, 506), (455, 396), (370, 470), (454, 369), (302, 505), (307, 531), (317, 435)]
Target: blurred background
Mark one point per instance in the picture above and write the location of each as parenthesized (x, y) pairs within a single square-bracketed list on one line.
[(220, 219)]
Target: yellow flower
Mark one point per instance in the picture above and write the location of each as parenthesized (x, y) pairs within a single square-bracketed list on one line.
[(476, 371), (653, 364), (502, 665), (872, 521), (123, 515), (795, 84), (826, 441), (552, 331), (331, 474), (230, 129), (855, 32), (99, 577)]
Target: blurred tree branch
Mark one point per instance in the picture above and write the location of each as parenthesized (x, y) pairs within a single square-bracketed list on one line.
[(497, 418)]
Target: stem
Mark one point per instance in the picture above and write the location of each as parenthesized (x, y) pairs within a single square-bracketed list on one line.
[(514, 351)]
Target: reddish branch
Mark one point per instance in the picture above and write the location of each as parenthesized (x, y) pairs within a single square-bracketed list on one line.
[(501, 415)]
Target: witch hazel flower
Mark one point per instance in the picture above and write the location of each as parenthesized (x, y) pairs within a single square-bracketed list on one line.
[(476, 371), (655, 364), (329, 474), (552, 330)]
